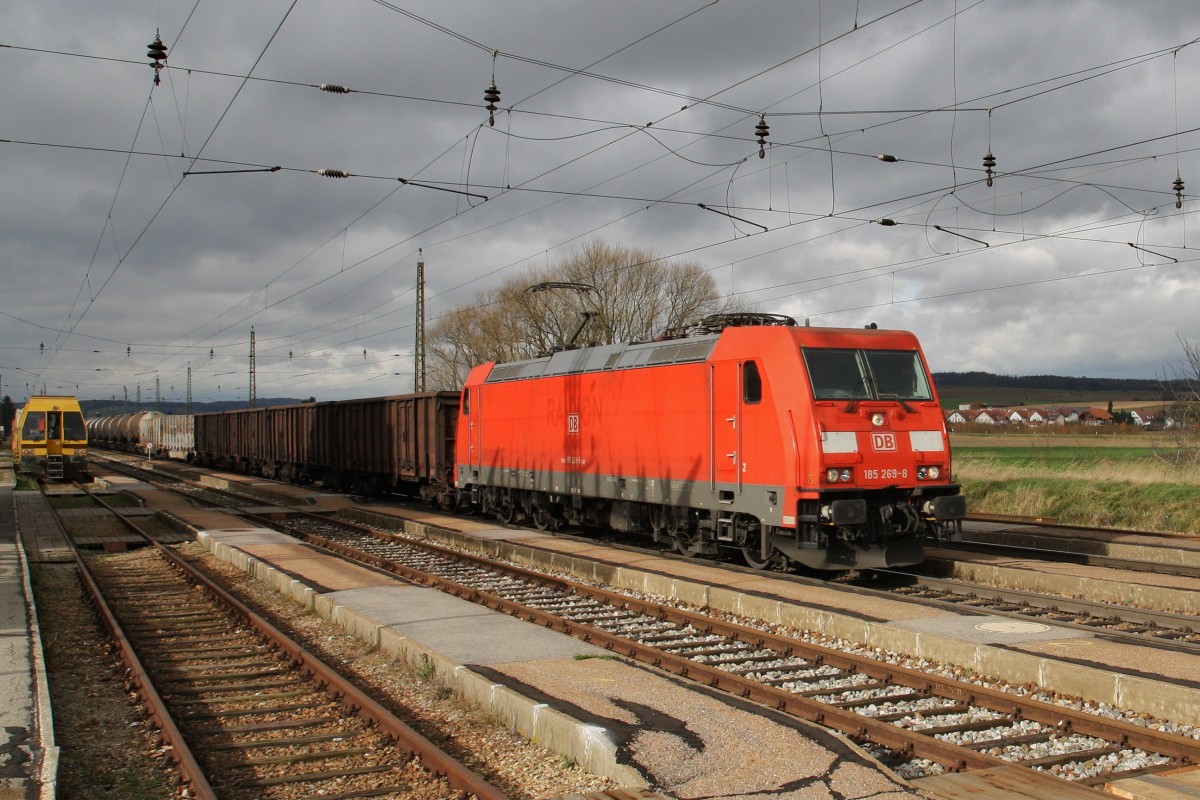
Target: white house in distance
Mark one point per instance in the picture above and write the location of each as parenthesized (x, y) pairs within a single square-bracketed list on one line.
[(1008, 415)]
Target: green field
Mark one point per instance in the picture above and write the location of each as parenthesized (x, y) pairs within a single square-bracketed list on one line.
[(1144, 482)]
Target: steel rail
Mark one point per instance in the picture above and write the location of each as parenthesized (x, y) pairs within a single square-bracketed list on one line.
[(181, 754), (1053, 523), (1072, 557), (1035, 604), (433, 758)]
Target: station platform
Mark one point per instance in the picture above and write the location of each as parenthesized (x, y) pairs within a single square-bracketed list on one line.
[(28, 755)]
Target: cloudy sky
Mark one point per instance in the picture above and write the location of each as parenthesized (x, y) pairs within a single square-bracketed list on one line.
[(143, 234)]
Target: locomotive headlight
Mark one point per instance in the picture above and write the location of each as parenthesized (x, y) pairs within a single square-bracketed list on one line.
[(831, 475), (846, 475), (935, 473), (878, 418), (929, 473)]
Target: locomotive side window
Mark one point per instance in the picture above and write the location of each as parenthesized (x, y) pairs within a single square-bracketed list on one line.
[(751, 383), (866, 374)]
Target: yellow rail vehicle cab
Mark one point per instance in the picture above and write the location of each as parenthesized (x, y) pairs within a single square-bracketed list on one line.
[(50, 439)]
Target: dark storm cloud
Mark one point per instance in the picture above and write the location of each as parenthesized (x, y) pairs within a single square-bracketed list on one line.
[(1090, 113)]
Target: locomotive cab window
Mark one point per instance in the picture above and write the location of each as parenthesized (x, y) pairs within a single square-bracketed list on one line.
[(33, 427), (898, 374), (74, 429), (751, 383), (866, 374)]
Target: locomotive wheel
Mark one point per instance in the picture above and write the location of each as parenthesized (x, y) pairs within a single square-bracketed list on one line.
[(752, 553), (667, 520), (683, 543), (682, 536), (506, 510), (544, 521)]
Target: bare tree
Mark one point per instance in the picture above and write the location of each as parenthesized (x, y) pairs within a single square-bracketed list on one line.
[(634, 295), (1181, 388)]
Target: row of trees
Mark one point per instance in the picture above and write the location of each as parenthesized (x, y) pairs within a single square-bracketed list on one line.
[(632, 295), (8, 412)]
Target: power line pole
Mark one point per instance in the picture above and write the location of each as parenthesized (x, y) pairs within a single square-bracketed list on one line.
[(419, 339), (253, 372)]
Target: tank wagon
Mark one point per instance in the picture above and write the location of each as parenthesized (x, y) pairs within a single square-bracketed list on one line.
[(402, 443), (750, 434), (149, 432), (50, 439)]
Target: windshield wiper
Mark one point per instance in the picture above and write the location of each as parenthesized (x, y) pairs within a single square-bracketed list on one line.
[(899, 400)]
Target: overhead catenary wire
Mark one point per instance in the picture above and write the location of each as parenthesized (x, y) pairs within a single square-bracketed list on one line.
[(580, 194)]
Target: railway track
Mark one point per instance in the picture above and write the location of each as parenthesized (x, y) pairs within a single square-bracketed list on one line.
[(920, 723), (1159, 629), (923, 722), (1035, 537), (246, 711), (1048, 552)]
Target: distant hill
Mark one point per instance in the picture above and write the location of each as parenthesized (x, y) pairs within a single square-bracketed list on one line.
[(1085, 384), (960, 388)]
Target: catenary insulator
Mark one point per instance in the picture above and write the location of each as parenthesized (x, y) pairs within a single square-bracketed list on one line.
[(492, 96), (157, 52), (888, 158), (762, 130), (333, 88), (989, 161), (885, 222), (333, 173), (1178, 187)]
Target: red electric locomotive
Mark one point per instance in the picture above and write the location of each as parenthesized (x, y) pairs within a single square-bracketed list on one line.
[(819, 446)]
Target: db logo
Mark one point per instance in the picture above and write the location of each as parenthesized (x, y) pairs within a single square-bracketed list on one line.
[(883, 442), (572, 423)]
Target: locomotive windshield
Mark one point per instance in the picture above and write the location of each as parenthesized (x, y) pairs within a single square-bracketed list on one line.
[(866, 374), (74, 429), (33, 426)]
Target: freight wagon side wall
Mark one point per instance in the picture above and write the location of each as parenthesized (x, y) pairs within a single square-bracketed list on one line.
[(424, 426), (174, 435), (290, 430)]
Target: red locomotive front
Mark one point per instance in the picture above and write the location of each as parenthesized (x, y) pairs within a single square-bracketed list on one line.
[(820, 446)]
